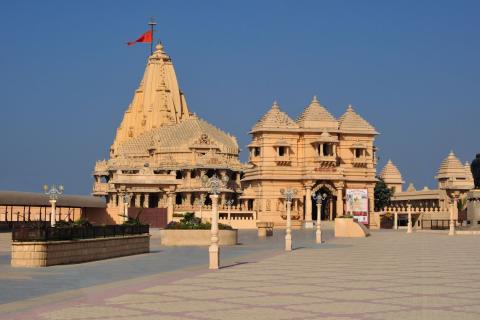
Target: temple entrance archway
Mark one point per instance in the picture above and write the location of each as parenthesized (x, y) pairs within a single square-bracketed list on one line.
[(329, 210)]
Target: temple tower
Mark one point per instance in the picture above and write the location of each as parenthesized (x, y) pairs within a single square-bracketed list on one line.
[(157, 102)]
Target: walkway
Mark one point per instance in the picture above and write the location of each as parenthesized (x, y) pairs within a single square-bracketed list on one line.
[(390, 275)]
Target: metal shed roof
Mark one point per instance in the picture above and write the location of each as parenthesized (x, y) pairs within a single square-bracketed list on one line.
[(16, 198)]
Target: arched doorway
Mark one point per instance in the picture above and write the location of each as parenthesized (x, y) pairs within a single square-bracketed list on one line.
[(329, 210)]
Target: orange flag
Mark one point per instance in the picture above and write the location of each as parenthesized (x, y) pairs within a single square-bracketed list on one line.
[(146, 37)]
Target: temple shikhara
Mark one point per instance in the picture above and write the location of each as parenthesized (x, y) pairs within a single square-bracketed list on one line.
[(162, 150)]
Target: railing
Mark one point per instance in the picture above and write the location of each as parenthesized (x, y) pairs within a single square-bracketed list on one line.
[(100, 187), (43, 232), (443, 224), (236, 216)]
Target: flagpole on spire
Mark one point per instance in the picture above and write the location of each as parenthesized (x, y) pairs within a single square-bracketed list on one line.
[(152, 25)]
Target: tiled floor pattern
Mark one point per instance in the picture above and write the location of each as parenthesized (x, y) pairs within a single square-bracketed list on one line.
[(390, 275)]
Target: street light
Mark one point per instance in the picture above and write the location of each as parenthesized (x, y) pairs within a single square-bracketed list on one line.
[(229, 204), (214, 184), (289, 194), (54, 193), (319, 198), (454, 204)]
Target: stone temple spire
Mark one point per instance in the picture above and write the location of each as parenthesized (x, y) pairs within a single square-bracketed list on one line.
[(157, 102)]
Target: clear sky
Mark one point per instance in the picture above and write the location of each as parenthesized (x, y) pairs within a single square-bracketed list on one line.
[(411, 68)]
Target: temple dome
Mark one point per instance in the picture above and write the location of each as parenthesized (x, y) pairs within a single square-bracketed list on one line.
[(352, 122), (317, 116), (452, 174), (390, 174), (275, 119), (451, 167), (192, 133)]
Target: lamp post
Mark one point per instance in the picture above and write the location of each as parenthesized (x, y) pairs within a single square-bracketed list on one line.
[(409, 225), (289, 194), (453, 205), (54, 193), (319, 198), (229, 206), (214, 184), (127, 197)]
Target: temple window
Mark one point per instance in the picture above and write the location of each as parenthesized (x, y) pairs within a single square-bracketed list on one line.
[(178, 198), (326, 149), (281, 151), (358, 153), (256, 152), (179, 174)]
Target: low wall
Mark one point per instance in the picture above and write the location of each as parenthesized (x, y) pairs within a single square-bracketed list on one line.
[(49, 253), (175, 237), (350, 228)]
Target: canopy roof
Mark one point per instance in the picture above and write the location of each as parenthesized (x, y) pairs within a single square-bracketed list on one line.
[(16, 198)]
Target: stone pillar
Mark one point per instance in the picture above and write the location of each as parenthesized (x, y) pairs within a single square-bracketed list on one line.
[(188, 197), (214, 250), (146, 199), (170, 199), (409, 225), (339, 202), (137, 200), (237, 178), (223, 197), (308, 208), (395, 220), (115, 199), (321, 150), (451, 231), (335, 149), (160, 200)]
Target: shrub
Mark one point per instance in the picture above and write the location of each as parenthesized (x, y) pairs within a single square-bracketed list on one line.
[(190, 222)]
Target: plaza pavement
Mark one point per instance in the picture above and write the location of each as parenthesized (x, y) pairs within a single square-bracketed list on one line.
[(390, 275)]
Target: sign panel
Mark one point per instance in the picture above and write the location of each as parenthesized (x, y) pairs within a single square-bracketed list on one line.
[(357, 204)]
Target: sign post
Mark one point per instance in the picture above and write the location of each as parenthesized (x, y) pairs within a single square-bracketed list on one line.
[(357, 204)]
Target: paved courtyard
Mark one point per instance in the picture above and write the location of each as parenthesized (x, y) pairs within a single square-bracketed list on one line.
[(390, 275)]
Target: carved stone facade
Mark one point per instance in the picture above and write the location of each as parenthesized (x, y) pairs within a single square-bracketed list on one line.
[(161, 150), (315, 153)]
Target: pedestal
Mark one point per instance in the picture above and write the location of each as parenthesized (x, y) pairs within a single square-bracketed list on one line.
[(473, 208)]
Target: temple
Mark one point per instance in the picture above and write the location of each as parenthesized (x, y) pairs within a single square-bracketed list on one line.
[(430, 208), (162, 150), (317, 153)]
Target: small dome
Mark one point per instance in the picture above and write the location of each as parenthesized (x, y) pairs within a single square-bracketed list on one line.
[(390, 174), (317, 116), (275, 119), (452, 174), (451, 167)]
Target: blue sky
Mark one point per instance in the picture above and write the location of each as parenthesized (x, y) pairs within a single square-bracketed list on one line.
[(411, 68)]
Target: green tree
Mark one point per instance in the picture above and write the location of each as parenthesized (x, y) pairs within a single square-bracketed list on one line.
[(382, 194)]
